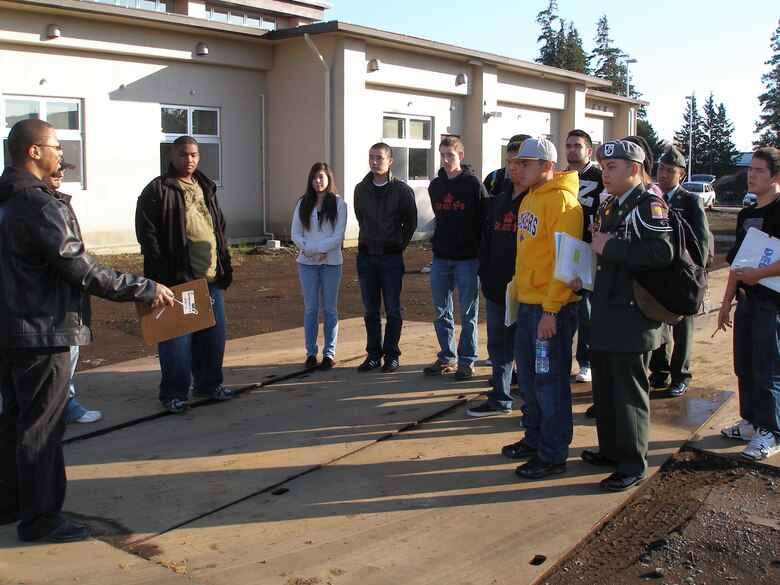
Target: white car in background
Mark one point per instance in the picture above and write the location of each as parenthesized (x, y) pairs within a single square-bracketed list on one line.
[(703, 190)]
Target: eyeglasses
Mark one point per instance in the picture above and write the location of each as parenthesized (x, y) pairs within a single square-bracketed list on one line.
[(57, 147)]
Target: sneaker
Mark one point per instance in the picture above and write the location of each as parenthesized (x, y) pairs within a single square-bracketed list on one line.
[(176, 405), (591, 412), (89, 416), (464, 372), (390, 365), (519, 450), (368, 364), (327, 364), (583, 375), (311, 362), (487, 409), (219, 393), (741, 430), (427, 268), (488, 362), (676, 389), (439, 367), (761, 446)]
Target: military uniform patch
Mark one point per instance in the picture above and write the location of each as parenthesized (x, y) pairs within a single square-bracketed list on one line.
[(657, 210)]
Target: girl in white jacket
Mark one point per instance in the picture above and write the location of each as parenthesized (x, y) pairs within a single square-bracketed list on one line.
[(318, 225)]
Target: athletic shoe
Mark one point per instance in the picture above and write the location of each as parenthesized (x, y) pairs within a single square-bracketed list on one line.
[(219, 393), (439, 367), (488, 362), (89, 416), (368, 364), (464, 372), (519, 450), (327, 364), (761, 446), (68, 532), (741, 430), (583, 375), (487, 409), (176, 406), (311, 362), (591, 411), (427, 268), (390, 365)]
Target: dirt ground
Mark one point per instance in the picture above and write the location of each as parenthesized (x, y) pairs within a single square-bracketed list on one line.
[(704, 519)]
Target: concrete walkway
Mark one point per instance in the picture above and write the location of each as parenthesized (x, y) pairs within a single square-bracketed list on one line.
[(333, 477)]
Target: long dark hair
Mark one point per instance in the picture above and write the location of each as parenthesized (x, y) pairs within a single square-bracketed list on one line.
[(309, 199)]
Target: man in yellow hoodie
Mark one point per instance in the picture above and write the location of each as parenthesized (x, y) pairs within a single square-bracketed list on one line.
[(547, 315)]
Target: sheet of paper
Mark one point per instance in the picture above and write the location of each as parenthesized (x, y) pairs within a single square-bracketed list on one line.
[(574, 258), (759, 249)]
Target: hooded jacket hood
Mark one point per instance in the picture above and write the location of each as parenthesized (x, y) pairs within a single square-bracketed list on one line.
[(15, 180)]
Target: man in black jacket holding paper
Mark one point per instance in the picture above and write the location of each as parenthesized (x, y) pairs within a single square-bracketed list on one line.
[(47, 278)]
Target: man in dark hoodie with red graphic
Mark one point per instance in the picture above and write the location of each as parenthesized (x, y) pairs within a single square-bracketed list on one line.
[(458, 200)]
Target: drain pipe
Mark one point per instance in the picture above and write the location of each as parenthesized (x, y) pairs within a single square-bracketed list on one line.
[(271, 240), (315, 50)]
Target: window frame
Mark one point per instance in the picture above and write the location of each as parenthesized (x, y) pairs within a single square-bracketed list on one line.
[(169, 6), (63, 135), (266, 22), (409, 144), (169, 137)]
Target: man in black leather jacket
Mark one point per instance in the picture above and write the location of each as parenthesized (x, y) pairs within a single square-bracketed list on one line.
[(44, 309)]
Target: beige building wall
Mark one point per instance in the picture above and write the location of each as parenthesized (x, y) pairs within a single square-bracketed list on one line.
[(121, 74)]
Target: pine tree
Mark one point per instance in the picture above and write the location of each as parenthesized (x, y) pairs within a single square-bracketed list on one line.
[(727, 152), (707, 148), (608, 59), (573, 57), (645, 129), (768, 125), (691, 127), (549, 37)]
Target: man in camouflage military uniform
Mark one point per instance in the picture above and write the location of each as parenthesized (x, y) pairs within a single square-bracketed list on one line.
[(666, 363), (631, 233)]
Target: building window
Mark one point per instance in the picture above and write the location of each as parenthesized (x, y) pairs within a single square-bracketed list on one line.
[(218, 14), (410, 139), (66, 117), (203, 125), (154, 5)]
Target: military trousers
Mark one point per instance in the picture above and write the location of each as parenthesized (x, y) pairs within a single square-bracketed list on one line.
[(621, 396), (673, 360)]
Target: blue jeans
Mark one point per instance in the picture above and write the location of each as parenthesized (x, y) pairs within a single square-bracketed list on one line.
[(196, 356), (318, 278), (75, 410), (501, 349), (583, 330), (546, 409), (381, 277), (445, 276), (757, 362)]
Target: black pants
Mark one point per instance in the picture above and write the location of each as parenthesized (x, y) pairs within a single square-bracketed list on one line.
[(34, 386)]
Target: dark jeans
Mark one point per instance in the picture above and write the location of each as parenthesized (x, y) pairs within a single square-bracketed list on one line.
[(673, 359), (34, 386), (381, 277), (583, 330), (547, 417), (757, 362), (196, 356), (501, 349)]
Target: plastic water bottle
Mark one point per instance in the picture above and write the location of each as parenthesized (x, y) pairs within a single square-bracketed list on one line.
[(542, 356)]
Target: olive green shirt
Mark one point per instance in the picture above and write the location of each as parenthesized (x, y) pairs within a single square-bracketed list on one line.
[(201, 241)]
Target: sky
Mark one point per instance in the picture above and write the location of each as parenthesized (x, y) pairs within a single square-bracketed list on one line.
[(681, 46)]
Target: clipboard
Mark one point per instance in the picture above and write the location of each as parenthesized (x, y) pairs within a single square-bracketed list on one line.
[(191, 312)]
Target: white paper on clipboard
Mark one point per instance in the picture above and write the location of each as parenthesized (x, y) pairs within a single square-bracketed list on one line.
[(759, 249), (574, 259)]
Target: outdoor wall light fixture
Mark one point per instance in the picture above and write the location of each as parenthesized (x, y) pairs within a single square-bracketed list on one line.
[(53, 31), (460, 79), (373, 65), (201, 49)]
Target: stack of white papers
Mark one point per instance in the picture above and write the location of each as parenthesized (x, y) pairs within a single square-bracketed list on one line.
[(574, 259), (759, 249)]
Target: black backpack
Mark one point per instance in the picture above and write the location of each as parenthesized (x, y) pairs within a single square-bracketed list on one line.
[(680, 287)]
